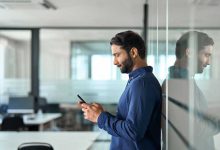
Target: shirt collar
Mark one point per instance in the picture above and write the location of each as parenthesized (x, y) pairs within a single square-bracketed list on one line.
[(139, 71)]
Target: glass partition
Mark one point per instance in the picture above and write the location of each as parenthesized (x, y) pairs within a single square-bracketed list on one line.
[(183, 48), (14, 63)]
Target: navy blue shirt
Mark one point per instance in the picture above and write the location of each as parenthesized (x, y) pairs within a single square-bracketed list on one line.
[(137, 122)]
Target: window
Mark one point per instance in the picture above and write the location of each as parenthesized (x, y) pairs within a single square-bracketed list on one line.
[(15, 63), (93, 61)]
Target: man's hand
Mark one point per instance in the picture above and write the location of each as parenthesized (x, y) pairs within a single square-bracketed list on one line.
[(91, 111)]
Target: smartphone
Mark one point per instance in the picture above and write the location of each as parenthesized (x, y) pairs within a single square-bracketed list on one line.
[(81, 99)]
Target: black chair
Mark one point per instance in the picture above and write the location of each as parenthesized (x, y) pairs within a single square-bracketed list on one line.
[(12, 123), (35, 146)]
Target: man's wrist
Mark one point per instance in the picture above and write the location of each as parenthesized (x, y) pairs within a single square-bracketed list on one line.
[(102, 119), (96, 121)]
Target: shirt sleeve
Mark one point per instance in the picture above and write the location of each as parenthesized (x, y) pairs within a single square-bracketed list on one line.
[(142, 102)]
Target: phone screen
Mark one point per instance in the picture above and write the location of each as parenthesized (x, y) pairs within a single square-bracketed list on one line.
[(81, 99)]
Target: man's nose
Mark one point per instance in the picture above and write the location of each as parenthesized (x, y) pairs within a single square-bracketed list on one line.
[(208, 61), (115, 61)]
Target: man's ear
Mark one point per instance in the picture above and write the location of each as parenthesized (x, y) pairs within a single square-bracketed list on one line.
[(133, 52), (187, 52)]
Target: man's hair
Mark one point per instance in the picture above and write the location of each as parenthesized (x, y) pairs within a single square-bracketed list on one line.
[(198, 39), (129, 39)]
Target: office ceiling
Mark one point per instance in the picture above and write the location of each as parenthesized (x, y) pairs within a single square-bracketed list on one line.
[(108, 13), (72, 13)]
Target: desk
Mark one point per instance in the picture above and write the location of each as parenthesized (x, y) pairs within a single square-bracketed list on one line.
[(59, 140), (39, 120)]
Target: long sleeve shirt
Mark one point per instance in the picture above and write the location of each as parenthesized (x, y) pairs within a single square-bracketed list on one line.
[(136, 125)]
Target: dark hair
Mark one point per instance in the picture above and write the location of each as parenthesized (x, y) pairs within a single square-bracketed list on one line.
[(129, 39), (200, 40)]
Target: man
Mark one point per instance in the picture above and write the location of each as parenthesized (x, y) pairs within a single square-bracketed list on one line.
[(136, 125), (193, 54)]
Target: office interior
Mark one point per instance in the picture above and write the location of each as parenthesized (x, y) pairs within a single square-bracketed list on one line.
[(52, 50)]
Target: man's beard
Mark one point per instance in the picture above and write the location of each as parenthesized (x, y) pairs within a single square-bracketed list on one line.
[(200, 67), (127, 65)]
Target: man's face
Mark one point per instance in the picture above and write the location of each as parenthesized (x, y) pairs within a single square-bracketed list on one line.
[(122, 59), (204, 57)]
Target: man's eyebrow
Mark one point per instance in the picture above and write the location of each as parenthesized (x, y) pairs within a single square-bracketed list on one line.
[(114, 54)]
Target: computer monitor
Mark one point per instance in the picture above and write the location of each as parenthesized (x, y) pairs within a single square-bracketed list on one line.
[(21, 105)]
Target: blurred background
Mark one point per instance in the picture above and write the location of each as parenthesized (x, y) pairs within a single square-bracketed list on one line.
[(56, 49)]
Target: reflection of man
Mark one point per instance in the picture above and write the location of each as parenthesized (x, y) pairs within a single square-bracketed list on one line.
[(187, 64), (137, 122), (196, 40)]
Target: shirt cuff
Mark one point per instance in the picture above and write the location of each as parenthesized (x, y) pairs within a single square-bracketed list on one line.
[(102, 119)]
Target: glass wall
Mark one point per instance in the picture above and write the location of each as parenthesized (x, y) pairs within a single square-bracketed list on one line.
[(186, 62), (15, 63), (93, 61)]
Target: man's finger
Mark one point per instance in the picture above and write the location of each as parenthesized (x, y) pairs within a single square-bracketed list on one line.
[(84, 109), (85, 105), (95, 104)]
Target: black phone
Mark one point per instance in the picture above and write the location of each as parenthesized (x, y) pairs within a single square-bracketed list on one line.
[(81, 99)]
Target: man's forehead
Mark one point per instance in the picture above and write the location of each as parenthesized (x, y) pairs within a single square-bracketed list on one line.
[(116, 48), (207, 49), (113, 46)]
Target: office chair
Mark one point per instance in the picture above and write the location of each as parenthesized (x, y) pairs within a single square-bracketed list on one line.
[(35, 146), (12, 123)]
